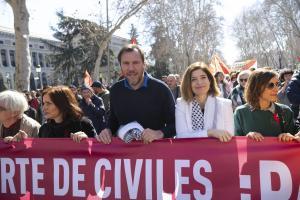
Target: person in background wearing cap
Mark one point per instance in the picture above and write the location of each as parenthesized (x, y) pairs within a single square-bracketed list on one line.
[(93, 108), (103, 93), (141, 98)]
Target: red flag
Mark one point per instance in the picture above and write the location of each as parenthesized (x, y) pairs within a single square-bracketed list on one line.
[(87, 79), (133, 41), (218, 65), (250, 63)]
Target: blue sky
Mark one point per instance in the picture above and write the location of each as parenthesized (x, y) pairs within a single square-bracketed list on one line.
[(42, 17)]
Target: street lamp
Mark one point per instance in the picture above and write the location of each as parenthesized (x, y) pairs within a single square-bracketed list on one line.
[(38, 70), (8, 81), (108, 60)]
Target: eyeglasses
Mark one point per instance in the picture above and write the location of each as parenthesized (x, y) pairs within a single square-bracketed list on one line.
[(243, 79), (273, 85)]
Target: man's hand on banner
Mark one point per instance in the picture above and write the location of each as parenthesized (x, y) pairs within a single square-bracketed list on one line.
[(104, 136), (150, 135)]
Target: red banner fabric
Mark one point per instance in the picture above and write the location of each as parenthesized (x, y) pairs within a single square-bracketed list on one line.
[(201, 168)]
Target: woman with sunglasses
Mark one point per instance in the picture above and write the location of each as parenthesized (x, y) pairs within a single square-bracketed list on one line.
[(237, 94), (261, 115)]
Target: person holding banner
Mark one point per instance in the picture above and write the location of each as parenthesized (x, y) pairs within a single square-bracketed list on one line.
[(14, 124), (262, 116), (64, 116), (200, 113), (139, 99)]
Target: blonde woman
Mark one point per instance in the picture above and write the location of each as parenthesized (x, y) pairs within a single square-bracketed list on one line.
[(200, 113)]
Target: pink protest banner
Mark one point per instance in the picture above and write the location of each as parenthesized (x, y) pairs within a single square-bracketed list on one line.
[(166, 169)]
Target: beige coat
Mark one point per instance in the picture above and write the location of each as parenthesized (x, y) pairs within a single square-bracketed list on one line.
[(29, 125)]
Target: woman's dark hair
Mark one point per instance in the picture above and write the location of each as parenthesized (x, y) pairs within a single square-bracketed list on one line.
[(256, 84), (65, 101)]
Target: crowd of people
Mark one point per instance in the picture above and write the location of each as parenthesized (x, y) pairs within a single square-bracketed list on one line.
[(255, 103)]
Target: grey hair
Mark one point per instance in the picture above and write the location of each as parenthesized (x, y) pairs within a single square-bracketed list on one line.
[(172, 76), (13, 101), (244, 72)]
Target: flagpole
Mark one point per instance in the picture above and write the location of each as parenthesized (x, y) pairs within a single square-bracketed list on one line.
[(108, 60)]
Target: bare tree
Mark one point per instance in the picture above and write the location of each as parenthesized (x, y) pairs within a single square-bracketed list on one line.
[(23, 59), (125, 9), (190, 30), (269, 32)]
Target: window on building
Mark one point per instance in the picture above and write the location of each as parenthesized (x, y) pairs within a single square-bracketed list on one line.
[(12, 58), (4, 58), (30, 45), (41, 47), (14, 43), (47, 60), (41, 58), (1, 42), (34, 59), (44, 79), (47, 63)]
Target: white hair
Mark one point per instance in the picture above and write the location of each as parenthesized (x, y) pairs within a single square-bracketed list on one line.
[(244, 72), (13, 101), (171, 76)]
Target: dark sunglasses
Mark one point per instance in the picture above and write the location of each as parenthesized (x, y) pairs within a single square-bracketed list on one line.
[(243, 79), (272, 85)]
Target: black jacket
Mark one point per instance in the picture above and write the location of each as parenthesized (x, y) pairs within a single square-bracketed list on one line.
[(52, 129), (293, 94), (95, 112), (293, 90)]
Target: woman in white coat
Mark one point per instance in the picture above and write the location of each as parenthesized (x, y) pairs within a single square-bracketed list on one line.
[(200, 113)]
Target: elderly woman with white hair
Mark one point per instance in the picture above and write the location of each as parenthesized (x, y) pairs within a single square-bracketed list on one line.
[(237, 93), (14, 124)]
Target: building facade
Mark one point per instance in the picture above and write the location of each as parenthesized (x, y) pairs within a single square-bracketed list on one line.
[(42, 72)]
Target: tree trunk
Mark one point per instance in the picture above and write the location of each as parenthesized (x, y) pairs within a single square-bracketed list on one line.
[(23, 59), (96, 72)]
